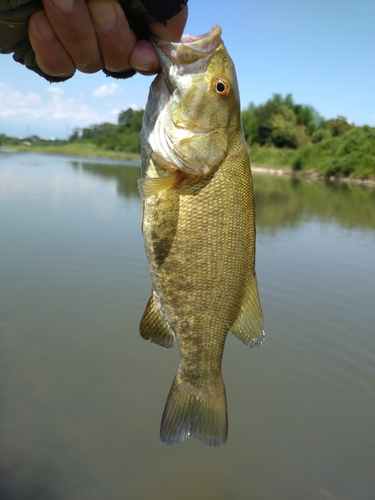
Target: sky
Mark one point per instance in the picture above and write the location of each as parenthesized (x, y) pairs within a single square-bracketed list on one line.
[(320, 51)]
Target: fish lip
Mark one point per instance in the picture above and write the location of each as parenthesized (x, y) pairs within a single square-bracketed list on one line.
[(189, 50), (202, 40)]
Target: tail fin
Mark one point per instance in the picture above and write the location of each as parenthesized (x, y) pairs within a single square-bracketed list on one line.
[(195, 412)]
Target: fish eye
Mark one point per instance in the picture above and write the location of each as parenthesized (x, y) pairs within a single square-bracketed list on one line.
[(221, 87)]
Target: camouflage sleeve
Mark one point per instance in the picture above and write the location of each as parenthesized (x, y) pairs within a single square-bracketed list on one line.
[(15, 14)]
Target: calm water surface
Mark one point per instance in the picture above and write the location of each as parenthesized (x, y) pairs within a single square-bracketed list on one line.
[(82, 394)]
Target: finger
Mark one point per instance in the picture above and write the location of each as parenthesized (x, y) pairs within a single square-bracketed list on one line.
[(115, 38), (144, 58), (50, 55), (173, 29), (73, 26)]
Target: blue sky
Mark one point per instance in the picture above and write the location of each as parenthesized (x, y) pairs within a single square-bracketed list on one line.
[(321, 51)]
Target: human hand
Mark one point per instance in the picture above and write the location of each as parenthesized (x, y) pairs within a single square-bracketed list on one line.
[(92, 35)]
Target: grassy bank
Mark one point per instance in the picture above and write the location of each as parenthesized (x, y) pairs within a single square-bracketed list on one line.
[(351, 155), (267, 157), (271, 157), (284, 136), (85, 149)]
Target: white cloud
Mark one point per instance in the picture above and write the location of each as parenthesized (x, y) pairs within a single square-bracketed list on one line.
[(107, 90), (50, 105), (13, 102), (133, 106), (47, 110)]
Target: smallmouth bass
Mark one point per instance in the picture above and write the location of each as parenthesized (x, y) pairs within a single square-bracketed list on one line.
[(198, 229)]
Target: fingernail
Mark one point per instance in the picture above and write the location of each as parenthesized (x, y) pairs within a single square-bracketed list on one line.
[(143, 67), (144, 58), (63, 5), (43, 26), (123, 69), (103, 14)]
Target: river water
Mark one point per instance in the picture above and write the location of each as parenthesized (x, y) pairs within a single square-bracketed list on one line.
[(82, 394)]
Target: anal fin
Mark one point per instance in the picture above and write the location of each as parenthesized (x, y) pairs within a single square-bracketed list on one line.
[(154, 326), (248, 326)]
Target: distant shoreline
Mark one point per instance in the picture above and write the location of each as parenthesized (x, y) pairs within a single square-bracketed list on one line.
[(73, 150), (312, 176)]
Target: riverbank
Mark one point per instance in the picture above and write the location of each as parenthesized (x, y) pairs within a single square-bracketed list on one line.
[(311, 176), (85, 150), (263, 160)]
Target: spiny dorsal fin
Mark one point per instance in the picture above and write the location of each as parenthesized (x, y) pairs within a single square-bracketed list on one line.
[(248, 326), (154, 326)]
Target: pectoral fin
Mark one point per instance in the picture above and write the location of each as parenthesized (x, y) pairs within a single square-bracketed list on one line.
[(154, 326), (248, 326), (151, 186)]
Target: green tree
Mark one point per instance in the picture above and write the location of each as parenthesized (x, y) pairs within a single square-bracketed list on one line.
[(351, 153), (281, 122), (285, 130), (98, 130), (125, 117), (265, 113), (338, 126), (75, 134), (308, 117), (250, 124), (319, 135), (131, 119), (122, 137)]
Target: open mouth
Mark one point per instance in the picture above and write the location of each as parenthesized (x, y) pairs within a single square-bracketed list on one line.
[(205, 42), (190, 49)]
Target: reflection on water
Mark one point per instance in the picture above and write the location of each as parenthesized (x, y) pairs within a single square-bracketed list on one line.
[(280, 201), (290, 202), (126, 176), (82, 394)]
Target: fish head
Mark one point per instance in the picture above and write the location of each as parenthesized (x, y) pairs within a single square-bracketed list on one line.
[(198, 101)]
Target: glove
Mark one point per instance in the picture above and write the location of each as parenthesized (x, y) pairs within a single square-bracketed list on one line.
[(15, 14)]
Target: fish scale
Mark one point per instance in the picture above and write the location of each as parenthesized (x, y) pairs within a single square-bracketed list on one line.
[(198, 228)]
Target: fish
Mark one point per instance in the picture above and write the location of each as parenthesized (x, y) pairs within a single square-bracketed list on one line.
[(198, 228)]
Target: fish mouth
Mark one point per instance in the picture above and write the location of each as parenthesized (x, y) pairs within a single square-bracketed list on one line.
[(191, 54)]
